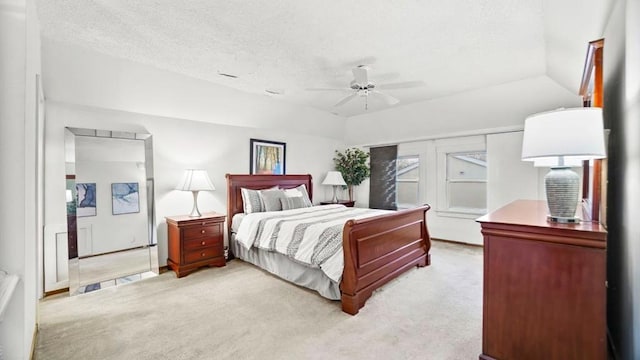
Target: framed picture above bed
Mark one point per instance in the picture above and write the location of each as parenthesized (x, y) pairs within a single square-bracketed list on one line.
[(267, 157)]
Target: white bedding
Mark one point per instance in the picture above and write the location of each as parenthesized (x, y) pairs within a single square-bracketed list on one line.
[(311, 236)]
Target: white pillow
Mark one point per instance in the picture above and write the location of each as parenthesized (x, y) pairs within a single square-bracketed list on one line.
[(299, 191)]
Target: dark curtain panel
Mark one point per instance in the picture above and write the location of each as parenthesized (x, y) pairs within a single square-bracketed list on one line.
[(382, 192)]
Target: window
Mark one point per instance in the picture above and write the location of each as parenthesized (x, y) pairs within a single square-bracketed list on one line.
[(407, 181), (467, 182), (461, 176)]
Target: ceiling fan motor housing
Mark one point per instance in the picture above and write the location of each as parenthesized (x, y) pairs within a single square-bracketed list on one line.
[(356, 86)]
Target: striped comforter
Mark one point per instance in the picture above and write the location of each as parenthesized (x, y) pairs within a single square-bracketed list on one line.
[(312, 236)]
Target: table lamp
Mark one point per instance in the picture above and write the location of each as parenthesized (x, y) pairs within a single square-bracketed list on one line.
[(561, 139), (334, 178), (195, 180)]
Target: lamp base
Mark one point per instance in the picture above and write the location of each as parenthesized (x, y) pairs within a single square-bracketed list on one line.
[(561, 185), (195, 212), (562, 220), (335, 194)]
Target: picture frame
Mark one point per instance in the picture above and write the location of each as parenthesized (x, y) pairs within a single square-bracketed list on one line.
[(594, 172), (267, 157), (86, 199), (125, 198)]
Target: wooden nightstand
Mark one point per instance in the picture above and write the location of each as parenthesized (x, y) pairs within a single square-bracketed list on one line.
[(195, 242), (346, 203)]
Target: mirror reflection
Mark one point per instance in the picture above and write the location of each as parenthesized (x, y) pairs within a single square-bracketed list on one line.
[(110, 212)]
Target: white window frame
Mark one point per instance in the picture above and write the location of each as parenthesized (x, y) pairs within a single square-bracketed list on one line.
[(443, 149), (412, 180)]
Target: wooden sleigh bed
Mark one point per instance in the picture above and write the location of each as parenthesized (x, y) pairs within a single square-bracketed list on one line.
[(376, 249)]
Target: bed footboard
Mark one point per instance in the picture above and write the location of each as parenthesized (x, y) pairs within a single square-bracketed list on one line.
[(380, 248)]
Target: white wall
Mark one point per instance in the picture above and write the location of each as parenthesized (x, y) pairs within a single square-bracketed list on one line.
[(19, 44), (178, 145), (497, 114)]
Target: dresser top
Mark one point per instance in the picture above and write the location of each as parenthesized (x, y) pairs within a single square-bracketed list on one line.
[(534, 213)]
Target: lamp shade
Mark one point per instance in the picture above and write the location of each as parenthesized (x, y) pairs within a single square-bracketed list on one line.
[(334, 178), (574, 134), (195, 180)]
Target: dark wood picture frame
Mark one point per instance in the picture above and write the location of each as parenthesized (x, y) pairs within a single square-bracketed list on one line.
[(593, 184), (267, 157)]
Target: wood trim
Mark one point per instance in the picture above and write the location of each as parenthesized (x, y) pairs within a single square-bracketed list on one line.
[(589, 63), (591, 176), (56, 292)]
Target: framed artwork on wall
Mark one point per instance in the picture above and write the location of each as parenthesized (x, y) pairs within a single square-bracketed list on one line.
[(86, 201), (267, 157), (125, 198)]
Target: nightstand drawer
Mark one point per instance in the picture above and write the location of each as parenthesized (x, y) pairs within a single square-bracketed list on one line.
[(202, 254), (198, 232), (202, 243)]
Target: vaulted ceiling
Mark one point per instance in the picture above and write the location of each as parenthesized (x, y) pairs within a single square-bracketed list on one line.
[(281, 48)]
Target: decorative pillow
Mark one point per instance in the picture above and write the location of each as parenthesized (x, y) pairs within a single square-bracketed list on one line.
[(271, 199), (292, 202), (251, 201), (300, 191)]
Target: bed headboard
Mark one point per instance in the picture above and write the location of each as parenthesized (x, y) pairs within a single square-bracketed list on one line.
[(257, 182)]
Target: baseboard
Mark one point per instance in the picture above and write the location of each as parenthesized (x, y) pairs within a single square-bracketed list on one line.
[(56, 292), (163, 269), (457, 242), (34, 341)]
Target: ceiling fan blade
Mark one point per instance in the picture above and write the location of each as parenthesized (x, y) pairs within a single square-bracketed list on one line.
[(346, 99), (390, 100), (401, 85), (327, 89), (360, 75)]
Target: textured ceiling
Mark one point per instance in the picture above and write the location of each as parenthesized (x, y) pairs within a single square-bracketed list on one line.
[(290, 45)]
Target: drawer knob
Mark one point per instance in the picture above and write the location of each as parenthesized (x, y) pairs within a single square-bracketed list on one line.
[(202, 254), (203, 243), (202, 231)]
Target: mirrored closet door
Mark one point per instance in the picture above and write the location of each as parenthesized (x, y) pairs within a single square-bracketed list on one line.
[(110, 208)]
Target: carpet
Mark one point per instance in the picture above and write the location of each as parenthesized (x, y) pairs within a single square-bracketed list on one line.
[(241, 312)]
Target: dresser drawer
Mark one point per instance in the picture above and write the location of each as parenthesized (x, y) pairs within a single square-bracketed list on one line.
[(203, 242), (197, 232), (203, 254)]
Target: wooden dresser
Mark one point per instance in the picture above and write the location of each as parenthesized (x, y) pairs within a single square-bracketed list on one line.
[(195, 242), (544, 286)]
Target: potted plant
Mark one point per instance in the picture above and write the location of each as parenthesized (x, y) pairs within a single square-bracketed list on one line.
[(354, 167)]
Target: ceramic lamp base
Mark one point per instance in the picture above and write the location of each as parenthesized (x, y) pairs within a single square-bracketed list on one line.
[(561, 185)]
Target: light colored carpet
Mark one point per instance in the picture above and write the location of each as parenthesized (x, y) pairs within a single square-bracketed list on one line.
[(241, 312)]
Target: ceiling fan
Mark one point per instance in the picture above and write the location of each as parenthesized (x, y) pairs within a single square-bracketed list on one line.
[(361, 86)]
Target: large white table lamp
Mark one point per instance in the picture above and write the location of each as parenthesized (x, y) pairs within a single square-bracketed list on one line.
[(195, 180), (561, 139), (335, 179)]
